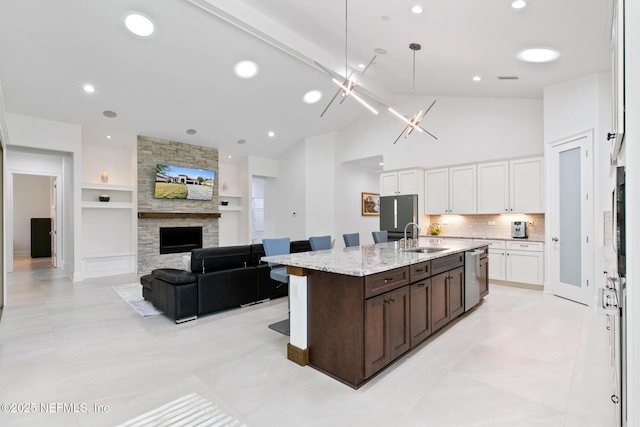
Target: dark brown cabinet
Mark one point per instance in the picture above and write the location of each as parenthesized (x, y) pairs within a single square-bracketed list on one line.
[(357, 326), (440, 300), (456, 292), (386, 329), (421, 326)]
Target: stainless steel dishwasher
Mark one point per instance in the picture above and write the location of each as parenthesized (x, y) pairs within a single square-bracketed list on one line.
[(472, 275)]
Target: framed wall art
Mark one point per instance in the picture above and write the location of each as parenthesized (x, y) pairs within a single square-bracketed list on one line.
[(370, 204)]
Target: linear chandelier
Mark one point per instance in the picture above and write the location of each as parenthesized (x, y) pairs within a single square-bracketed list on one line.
[(413, 123), (347, 87)]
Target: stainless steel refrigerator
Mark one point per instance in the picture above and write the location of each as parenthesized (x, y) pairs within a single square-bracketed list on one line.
[(396, 212)]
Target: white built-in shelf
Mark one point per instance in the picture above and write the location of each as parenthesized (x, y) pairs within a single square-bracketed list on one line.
[(120, 196), (235, 202)]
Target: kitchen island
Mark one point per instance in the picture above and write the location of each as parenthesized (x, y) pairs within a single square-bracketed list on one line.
[(356, 310)]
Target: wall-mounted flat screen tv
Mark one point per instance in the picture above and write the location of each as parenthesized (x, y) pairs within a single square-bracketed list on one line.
[(177, 182)]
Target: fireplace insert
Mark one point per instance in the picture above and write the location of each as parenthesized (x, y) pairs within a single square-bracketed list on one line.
[(180, 239)]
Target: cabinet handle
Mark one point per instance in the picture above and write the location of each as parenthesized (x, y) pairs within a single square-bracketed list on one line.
[(524, 246), (421, 285), (419, 270), (389, 301), (388, 279)]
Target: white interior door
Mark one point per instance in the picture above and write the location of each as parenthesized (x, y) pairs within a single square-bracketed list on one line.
[(571, 226)]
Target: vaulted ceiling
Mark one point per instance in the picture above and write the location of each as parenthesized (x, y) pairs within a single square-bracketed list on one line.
[(182, 78)]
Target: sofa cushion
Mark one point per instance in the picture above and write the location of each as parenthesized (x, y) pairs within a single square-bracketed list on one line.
[(174, 276), (300, 246), (220, 258)]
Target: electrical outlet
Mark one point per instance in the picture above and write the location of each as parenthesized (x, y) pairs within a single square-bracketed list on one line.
[(492, 223)]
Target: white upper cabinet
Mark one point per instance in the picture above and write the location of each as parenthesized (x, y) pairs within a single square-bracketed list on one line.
[(407, 181), (493, 188), (462, 190), (437, 191), (513, 186), (526, 185), (451, 190)]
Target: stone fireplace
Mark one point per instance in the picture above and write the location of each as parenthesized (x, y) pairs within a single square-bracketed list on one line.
[(154, 214)]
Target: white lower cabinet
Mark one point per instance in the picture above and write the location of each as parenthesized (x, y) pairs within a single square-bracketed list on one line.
[(516, 261)]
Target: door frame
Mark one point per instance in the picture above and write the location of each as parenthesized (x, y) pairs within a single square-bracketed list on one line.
[(587, 294), (10, 215)]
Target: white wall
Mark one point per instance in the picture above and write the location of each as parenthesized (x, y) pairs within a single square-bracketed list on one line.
[(284, 199), (37, 145), (468, 130), (118, 161), (31, 199), (632, 160), (320, 188), (577, 106), (350, 183)]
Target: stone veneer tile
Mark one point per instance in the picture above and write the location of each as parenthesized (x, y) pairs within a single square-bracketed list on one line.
[(152, 151)]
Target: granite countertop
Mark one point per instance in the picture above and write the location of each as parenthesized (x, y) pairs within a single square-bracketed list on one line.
[(369, 259), (508, 239)]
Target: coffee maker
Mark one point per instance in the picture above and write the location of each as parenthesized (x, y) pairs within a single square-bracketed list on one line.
[(519, 229)]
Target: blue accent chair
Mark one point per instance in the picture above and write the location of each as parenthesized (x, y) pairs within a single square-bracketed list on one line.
[(380, 236), (278, 273), (319, 243), (351, 239)]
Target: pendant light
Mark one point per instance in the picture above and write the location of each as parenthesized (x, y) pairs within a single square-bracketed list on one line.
[(348, 86), (413, 123)]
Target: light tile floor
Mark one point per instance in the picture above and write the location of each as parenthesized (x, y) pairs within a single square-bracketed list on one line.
[(522, 358)]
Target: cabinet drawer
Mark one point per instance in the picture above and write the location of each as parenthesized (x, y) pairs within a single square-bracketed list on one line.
[(379, 283), (419, 271), (493, 244), (447, 263), (525, 246)]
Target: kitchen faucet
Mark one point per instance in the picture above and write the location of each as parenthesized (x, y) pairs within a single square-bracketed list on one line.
[(405, 241)]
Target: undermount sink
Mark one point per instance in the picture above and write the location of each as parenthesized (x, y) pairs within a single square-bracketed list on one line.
[(425, 250)]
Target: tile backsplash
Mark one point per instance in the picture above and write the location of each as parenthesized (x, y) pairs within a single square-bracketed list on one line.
[(485, 226)]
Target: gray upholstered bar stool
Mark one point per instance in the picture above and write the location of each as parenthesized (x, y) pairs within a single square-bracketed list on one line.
[(319, 243), (351, 239), (279, 273), (380, 236)]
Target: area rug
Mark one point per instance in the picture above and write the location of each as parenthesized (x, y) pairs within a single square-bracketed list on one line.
[(132, 294), (190, 410)]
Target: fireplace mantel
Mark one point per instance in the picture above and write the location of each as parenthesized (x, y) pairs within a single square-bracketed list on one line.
[(178, 215)]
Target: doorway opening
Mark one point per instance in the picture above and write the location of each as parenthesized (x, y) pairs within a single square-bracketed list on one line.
[(34, 225)]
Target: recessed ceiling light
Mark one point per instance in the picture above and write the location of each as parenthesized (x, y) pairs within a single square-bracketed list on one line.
[(191, 131), (139, 25), (312, 97), (380, 164), (108, 136), (271, 134), (110, 114), (245, 69), (518, 4), (241, 141), (417, 9), (385, 18), (229, 156), (89, 88), (380, 51), (477, 78), (538, 55)]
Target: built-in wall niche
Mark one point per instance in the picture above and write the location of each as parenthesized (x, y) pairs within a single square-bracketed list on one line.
[(108, 230)]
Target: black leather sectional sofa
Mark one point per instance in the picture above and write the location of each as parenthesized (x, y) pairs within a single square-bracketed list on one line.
[(220, 278)]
